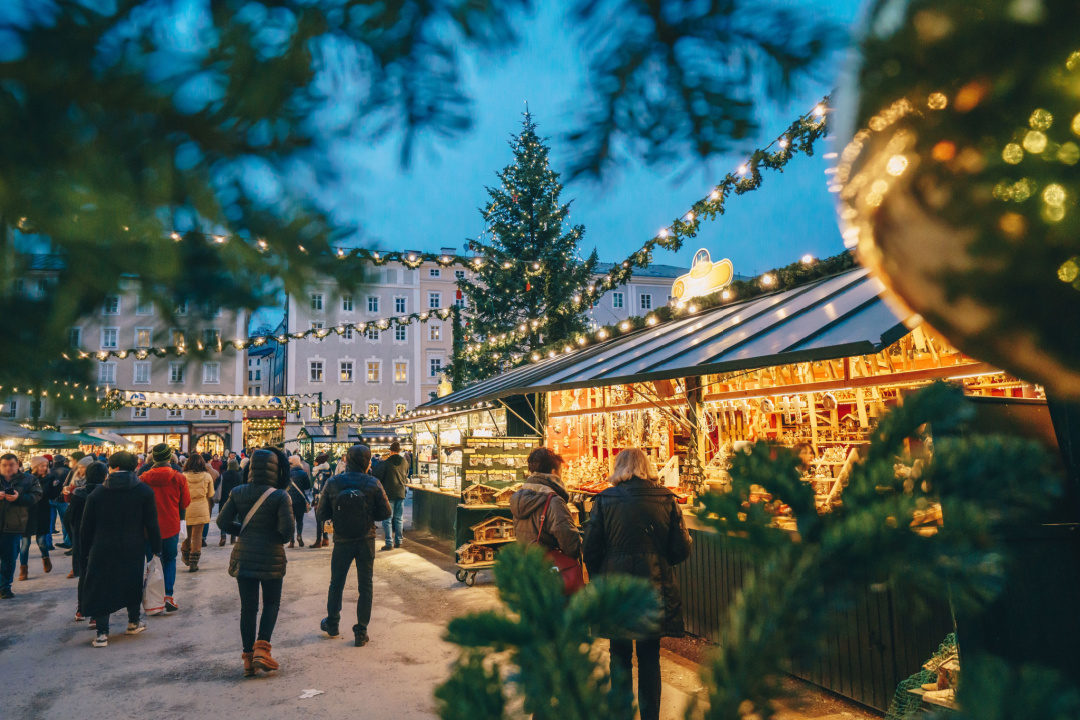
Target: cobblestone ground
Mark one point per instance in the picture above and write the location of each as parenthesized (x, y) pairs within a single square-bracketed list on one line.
[(188, 665)]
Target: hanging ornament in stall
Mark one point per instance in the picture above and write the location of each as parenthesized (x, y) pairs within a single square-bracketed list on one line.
[(960, 183)]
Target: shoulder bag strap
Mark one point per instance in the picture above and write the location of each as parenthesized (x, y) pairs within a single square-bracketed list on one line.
[(543, 517), (258, 503)]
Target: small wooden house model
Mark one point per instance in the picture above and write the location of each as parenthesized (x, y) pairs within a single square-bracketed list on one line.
[(479, 494), (494, 529), (502, 497), (469, 554)]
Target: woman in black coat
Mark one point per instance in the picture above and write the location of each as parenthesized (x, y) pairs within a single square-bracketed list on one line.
[(637, 529), (95, 475), (120, 517), (230, 478), (258, 557)]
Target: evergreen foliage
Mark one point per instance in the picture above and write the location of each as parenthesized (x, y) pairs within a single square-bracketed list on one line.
[(805, 580), (526, 221)]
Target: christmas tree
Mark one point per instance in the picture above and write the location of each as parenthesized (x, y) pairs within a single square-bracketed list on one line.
[(527, 275)]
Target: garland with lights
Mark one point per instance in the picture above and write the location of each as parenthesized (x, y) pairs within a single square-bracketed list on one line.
[(778, 280), (115, 399)]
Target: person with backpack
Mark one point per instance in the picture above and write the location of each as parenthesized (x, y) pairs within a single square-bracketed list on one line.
[(393, 473), (172, 496), (320, 474), (259, 513), (354, 501)]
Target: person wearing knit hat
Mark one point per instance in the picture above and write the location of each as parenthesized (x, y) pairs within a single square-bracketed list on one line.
[(37, 523), (171, 495)]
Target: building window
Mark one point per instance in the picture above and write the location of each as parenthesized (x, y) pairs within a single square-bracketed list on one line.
[(211, 337), (459, 274), (434, 367), (399, 305), (372, 333), (209, 414), (143, 306), (143, 337), (646, 302), (20, 286), (316, 301), (42, 286), (177, 337), (400, 408), (434, 300), (616, 300), (176, 373), (75, 337), (12, 408), (111, 306), (373, 304), (459, 301), (175, 414), (346, 409), (346, 303), (315, 368), (346, 367), (213, 311), (110, 338), (401, 333), (348, 333), (434, 272), (316, 324), (373, 410), (211, 373), (181, 308), (434, 331), (107, 373), (65, 414), (258, 374), (250, 374), (142, 373), (138, 413), (401, 372), (107, 414), (374, 373)]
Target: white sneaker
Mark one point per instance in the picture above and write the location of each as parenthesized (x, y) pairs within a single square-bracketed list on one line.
[(101, 640), (136, 628)]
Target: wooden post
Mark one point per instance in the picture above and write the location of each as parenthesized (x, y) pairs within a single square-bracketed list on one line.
[(695, 415)]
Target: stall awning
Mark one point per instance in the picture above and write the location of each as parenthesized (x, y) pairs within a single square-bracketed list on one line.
[(111, 438), (840, 316), (12, 430), (325, 434), (51, 439)]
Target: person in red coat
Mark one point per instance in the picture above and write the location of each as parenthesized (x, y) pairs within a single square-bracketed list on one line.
[(171, 495)]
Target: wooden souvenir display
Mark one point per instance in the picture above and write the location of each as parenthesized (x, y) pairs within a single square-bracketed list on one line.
[(493, 530), (479, 495), (470, 554)]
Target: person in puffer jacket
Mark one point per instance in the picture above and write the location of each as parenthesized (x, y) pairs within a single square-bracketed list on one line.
[(527, 506), (258, 557)]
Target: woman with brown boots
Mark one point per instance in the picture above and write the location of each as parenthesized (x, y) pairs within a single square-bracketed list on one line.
[(259, 512), (201, 488)]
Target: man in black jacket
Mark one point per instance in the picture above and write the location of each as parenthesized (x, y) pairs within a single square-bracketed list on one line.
[(19, 492), (393, 473), (354, 501)]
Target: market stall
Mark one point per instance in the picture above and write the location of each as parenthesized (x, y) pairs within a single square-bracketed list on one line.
[(818, 364)]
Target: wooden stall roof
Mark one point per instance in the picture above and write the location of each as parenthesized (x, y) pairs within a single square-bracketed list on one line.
[(835, 317)]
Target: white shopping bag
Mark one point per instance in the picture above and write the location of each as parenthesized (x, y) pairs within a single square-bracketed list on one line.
[(154, 588), (183, 532)]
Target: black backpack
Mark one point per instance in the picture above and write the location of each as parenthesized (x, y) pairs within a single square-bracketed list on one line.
[(352, 514)]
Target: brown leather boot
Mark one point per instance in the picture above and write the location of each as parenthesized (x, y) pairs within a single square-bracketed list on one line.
[(193, 561), (292, 543), (249, 669), (262, 660), (24, 572), (47, 564)]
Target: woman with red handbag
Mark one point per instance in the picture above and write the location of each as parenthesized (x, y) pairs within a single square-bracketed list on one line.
[(542, 517), (636, 528)]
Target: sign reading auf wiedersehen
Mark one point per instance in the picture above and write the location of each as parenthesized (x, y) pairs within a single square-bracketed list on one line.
[(135, 398)]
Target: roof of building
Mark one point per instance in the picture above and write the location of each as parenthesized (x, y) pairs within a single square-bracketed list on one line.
[(835, 317), (653, 271)]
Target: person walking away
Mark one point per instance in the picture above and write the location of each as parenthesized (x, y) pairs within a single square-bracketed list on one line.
[(95, 475), (75, 479), (320, 474), (200, 491), (354, 501), (38, 520), (299, 487), (58, 505), (230, 478), (117, 521), (393, 473), (171, 496), (637, 529), (259, 514), (544, 488), (19, 492)]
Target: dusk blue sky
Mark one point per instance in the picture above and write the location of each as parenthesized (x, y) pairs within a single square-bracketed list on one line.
[(433, 203)]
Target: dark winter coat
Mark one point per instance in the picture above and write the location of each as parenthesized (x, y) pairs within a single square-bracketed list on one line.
[(14, 516), (229, 480), (351, 480), (258, 553), (637, 529), (527, 505), (393, 473), (95, 475), (119, 517), (39, 519), (299, 485)]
